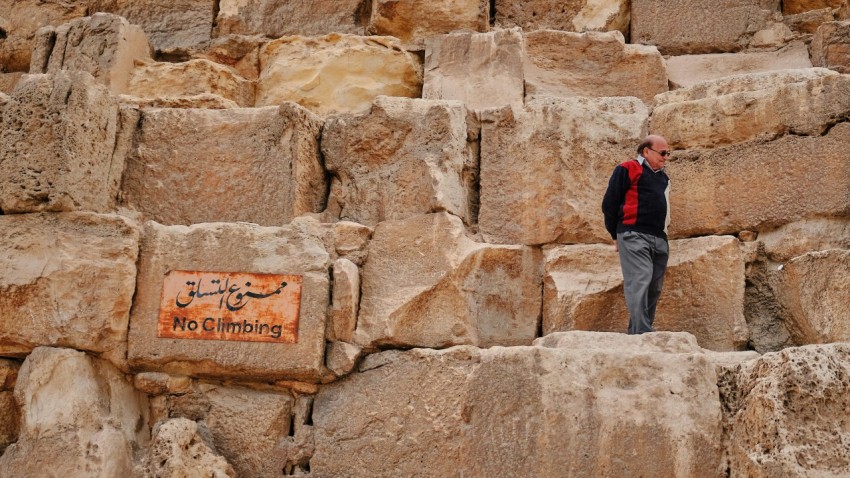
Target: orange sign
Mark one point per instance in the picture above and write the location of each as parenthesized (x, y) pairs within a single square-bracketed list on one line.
[(230, 306)]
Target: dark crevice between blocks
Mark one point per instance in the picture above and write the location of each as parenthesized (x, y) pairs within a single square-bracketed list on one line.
[(363, 14), (492, 13)]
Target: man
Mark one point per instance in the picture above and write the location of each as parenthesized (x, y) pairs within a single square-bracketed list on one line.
[(637, 212)]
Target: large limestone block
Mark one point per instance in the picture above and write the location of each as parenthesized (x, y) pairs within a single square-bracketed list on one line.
[(104, 45), (807, 23), (687, 70), (771, 185), (67, 281), (789, 106), (809, 235), (703, 291), (790, 7), (525, 411), (336, 73), (484, 70), (290, 250), (63, 142), (19, 21), (591, 64), (169, 24), (80, 417), (544, 168), (277, 18), (814, 289), (570, 15), (831, 46), (257, 165), (404, 157), (692, 26), (239, 52), (412, 21), (178, 448), (425, 284), (194, 77), (245, 426), (9, 410), (788, 413)]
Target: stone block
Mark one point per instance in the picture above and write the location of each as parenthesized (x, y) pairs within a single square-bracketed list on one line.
[(79, 417), (171, 25), (831, 46), (570, 15), (257, 165), (277, 18), (523, 411), (68, 281), (791, 7), (19, 21), (404, 157), (345, 302), (692, 27), (687, 70), (809, 235), (342, 358), (104, 45), (703, 291), (807, 23), (9, 410), (412, 21), (591, 64), (336, 73), (8, 81), (425, 284), (239, 52), (63, 140), (814, 290), (771, 186), (484, 70), (544, 168), (178, 448), (775, 104), (207, 101), (194, 77), (290, 250), (787, 413)]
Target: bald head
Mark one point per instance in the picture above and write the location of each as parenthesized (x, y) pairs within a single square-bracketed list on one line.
[(655, 150)]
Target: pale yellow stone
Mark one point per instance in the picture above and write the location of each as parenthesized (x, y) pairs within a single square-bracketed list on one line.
[(187, 79), (336, 73), (277, 18), (178, 448), (20, 19), (412, 21)]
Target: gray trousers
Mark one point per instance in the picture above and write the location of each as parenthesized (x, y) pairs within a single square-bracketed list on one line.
[(643, 258)]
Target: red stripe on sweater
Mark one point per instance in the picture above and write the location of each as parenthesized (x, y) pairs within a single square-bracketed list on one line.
[(630, 206)]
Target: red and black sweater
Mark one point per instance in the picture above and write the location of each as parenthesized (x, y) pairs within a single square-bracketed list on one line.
[(637, 199)]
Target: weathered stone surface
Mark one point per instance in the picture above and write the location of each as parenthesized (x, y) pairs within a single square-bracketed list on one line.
[(277, 18), (346, 300), (496, 79), (257, 165), (336, 73), (570, 15), (404, 157), (790, 7), (807, 23), (692, 26), (342, 357), (231, 247), (425, 284), (244, 425), (703, 291), (170, 24), (178, 448), (831, 46), (788, 413), (62, 145), (412, 21), (572, 64), (706, 198), (9, 412), (544, 168), (194, 77), (525, 411), (298, 448), (104, 45), (207, 101), (808, 107), (67, 281), (742, 84), (240, 52), (79, 417), (688, 70), (157, 383), (809, 235), (8, 81), (20, 19), (815, 290), (351, 240)]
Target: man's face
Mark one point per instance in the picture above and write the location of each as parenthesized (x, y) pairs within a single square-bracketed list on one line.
[(657, 155)]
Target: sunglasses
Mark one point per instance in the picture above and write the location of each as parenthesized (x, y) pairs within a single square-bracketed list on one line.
[(662, 153)]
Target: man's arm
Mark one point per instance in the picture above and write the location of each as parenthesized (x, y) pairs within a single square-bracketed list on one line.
[(615, 195)]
